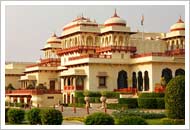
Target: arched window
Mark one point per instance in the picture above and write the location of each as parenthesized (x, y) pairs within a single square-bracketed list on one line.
[(122, 79), (140, 81), (134, 80), (89, 41), (68, 82), (75, 41), (179, 72), (146, 81), (120, 40), (167, 74)]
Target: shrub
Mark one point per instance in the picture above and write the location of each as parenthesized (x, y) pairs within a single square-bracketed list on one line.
[(131, 102), (175, 98), (94, 94), (160, 103), (80, 100), (167, 121), (30, 86), (95, 100), (99, 118), (33, 116), (117, 106), (51, 117), (15, 116), (151, 95), (147, 103), (41, 87), (76, 105), (110, 94), (79, 94), (9, 87), (6, 114), (131, 120)]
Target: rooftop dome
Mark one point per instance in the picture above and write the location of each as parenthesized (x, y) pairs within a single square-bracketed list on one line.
[(80, 20), (178, 26), (53, 39), (115, 20)]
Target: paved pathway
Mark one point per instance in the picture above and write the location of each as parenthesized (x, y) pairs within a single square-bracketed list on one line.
[(72, 123), (81, 112)]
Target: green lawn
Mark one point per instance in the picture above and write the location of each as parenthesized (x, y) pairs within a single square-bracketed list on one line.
[(154, 121)]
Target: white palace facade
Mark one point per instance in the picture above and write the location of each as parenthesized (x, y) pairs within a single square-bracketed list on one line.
[(97, 57)]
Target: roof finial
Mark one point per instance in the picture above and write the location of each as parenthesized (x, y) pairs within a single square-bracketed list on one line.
[(54, 35), (115, 13), (180, 20)]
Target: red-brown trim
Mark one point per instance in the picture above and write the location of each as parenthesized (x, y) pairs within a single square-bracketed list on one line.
[(31, 92), (115, 24), (167, 53), (177, 29), (77, 25), (54, 42)]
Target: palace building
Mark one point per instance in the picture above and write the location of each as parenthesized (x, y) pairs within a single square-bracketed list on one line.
[(96, 57)]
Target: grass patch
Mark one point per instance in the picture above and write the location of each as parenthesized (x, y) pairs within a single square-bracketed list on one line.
[(81, 119), (154, 121)]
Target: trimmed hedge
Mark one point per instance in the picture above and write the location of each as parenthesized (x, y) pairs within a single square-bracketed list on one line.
[(76, 105), (151, 95), (33, 116), (79, 94), (51, 117), (95, 100), (130, 120), (6, 114), (99, 118), (80, 100), (131, 102), (147, 103), (122, 114), (160, 103), (175, 98), (110, 94), (151, 100), (16, 116), (117, 106)]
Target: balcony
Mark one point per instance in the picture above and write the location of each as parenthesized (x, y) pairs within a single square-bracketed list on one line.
[(75, 49), (90, 56), (117, 48)]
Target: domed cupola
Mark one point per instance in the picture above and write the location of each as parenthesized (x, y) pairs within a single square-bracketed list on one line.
[(115, 20), (178, 26), (53, 39)]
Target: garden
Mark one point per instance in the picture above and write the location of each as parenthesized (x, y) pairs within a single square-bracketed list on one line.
[(148, 109)]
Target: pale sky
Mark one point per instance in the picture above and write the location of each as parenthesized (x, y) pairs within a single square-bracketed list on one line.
[(28, 27)]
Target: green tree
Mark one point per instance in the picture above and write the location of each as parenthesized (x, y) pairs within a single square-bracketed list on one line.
[(30, 86), (9, 87), (175, 98)]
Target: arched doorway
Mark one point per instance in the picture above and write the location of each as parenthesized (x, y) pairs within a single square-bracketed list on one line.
[(146, 81), (134, 80), (167, 74), (140, 81), (179, 72), (122, 80)]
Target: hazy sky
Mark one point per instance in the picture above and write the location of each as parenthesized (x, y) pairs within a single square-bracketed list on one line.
[(28, 27)]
